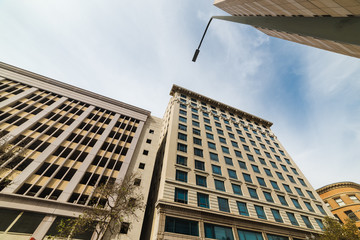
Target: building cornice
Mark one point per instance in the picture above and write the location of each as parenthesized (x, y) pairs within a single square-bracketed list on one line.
[(175, 88), (333, 186), (73, 88)]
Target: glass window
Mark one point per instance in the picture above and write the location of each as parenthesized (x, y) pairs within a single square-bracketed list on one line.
[(218, 124), (228, 128), (196, 131), (181, 195), (197, 141), (219, 131), (195, 123), (257, 151), (182, 127), (272, 149), (296, 203), (294, 171), (307, 222), (291, 179), (292, 219), (262, 161), (268, 197), (214, 156), (205, 113), (249, 135), (280, 176), (232, 174), (206, 120), (182, 136), (236, 189), (288, 161), (203, 200), (275, 185), (231, 135), (216, 169), (268, 172), (298, 190), (262, 146), (194, 116), (182, 119), (253, 193), (181, 160), (222, 140), (223, 204), (234, 144), (261, 181), (225, 149), (287, 188), (255, 168), (238, 153), (182, 112), (219, 185), (181, 147), (194, 110), (242, 165), (242, 139), (207, 127), (340, 202), (309, 207), (247, 177), (181, 176), (209, 136), (273, 164), (200, 180), (199, 165), (320, 223), (242, 208), (218, 232), (260, 212), (198, 152), (246, 148), (284, 168), (277, 157), (253, 143), (228, 161), (281, 152), (249, 235), (321, 209), (183, 106), (268, 154), (239, 131), (277, 216), (211, 145), (282, 200), (302, 182), (181, 226), (250, 157)]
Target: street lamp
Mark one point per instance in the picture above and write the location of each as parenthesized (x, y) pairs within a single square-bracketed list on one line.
[(197, 51)]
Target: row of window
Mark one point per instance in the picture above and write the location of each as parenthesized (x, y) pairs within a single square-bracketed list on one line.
[(181, 194), (190, 227)]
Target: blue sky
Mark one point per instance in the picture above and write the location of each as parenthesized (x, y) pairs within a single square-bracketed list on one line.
[(134, 51)]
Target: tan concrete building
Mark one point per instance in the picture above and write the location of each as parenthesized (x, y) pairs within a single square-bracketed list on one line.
[(225, 175), (343, 199), (75, 141), (315, 11)]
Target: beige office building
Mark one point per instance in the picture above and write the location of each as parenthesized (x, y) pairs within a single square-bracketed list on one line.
[(225, 175), (299, 9), (75, 140)]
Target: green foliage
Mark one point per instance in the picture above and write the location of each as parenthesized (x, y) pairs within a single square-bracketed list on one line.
[(336, 231), (122, 202)]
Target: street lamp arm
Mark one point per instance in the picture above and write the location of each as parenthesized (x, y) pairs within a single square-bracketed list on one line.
[(197, 51)]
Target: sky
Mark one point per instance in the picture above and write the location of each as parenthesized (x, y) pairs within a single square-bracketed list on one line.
[(134, 51)]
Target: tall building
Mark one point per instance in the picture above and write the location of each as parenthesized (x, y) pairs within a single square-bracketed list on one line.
[(206, 170), (75, 140), (343, 199), (225, 175), (316, 23)]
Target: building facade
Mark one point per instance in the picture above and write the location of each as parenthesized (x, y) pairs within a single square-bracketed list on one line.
[(75, 140), (225, 175), (343, 199), (299, 9)]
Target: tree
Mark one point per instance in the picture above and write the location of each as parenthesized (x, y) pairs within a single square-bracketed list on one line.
[(336, 231), (8, 152), (113, 205)]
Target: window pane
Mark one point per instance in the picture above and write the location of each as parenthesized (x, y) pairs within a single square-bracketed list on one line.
[(218, 232), (249, 235), (182, 226)]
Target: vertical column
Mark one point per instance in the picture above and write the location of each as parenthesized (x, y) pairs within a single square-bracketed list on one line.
[(43, 227), (18, 97), (65, 195), (24, 175)]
